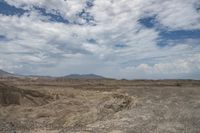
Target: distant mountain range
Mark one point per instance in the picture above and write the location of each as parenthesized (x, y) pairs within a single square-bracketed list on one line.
[(71, 76), (5, 74), (83, 76)]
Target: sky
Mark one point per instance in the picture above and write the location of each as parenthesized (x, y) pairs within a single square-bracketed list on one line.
[(132, 39)]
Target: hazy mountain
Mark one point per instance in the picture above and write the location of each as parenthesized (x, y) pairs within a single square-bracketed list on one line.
[(72, 76), (83, 76), (5, 74)]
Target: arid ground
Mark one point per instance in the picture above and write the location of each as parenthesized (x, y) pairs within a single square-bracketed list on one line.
[(31, 105)]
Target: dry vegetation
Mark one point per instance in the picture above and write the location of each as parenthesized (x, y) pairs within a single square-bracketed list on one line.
[(99, 106)]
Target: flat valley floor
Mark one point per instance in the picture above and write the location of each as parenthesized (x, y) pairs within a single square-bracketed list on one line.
[(99, 106)]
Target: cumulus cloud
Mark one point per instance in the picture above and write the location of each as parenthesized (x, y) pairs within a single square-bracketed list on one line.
[(60, 37)]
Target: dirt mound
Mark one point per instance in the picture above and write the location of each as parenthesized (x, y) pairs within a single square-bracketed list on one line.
[(115, 103), (106, 109), (10, 95)]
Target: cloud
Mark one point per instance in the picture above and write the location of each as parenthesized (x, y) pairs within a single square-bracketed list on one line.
[(174, 14), (121, 39)]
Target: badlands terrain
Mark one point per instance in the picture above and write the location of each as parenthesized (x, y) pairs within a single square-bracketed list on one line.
[(45, 105)]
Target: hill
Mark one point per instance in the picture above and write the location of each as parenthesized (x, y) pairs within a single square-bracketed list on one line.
[(83, 76), (5, 74)]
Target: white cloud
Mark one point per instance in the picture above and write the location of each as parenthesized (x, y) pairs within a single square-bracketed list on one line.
[(54, 48), (67, 9), (173, 14)]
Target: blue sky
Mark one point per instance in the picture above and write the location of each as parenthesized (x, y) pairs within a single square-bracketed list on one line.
[(148, 39)]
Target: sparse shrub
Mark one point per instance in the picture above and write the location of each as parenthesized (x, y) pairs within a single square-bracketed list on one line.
[(43, 114), (178, 84)]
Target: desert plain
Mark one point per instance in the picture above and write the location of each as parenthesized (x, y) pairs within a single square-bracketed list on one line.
[(42, 105)]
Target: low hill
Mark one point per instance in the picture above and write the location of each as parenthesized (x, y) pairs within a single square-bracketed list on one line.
[(5, 74), (83, 76)]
